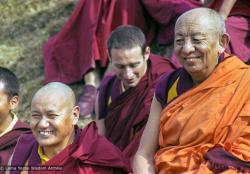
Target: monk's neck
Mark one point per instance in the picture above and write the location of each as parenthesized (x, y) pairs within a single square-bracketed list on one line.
[(5, 122), (51, 151)]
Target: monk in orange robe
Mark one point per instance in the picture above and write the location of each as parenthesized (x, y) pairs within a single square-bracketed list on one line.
[(199, 120)]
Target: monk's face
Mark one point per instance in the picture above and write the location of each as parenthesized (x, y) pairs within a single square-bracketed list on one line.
[(130, 65), (197, 45), (52, 120), (6, 104)]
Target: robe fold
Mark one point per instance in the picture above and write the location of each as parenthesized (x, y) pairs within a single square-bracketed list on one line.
[(214, 113), (127, 114), (90, 153), (8, 141)]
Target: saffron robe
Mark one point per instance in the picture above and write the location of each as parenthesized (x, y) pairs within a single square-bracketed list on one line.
[(216, 112), (8, 141), (90, 153), (127, 114)]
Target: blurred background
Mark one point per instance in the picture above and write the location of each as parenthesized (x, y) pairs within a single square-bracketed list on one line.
[(24, 27)]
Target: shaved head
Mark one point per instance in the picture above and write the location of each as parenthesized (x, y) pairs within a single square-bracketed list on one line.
[(200, 38), (56, 90), (204, 16), (53, 116)]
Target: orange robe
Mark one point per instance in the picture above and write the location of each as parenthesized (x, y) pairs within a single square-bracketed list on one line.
[(216, 112)]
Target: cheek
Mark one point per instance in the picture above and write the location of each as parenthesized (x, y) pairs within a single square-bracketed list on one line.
[(33, 123)]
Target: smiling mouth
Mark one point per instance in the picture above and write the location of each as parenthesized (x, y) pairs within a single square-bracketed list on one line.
[(45, 133), (191, 59)]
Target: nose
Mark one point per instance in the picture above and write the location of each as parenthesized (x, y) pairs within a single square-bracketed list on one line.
[(43, 123), (128, 73), (188, 47)]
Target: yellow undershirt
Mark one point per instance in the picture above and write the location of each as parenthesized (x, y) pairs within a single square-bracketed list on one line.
[(42, 156)]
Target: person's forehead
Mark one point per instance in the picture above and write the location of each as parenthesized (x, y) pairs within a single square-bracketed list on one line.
[(49, 99), (194, 24), (126, 54)]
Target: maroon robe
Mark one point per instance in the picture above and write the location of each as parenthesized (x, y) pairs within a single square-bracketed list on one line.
[(127, 114), (8, 141), (73, 51), (90, 153)]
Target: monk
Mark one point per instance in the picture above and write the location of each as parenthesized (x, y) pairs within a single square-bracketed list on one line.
[(10, 126), (199, 120), (236, 14), (58, 141), (124, 98)]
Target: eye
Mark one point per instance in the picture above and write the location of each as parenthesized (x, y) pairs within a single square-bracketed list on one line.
[(35, 115), (197, 41), (179, 41), (134, 65), (52, 116), (119, 66)]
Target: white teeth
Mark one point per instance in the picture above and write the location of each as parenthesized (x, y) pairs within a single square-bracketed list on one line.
[(45, 132)]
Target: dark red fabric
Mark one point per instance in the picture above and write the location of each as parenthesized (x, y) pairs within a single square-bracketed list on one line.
[(221, 160), (90, 153), (165, 13), (238, 28), (73, 51), (9, 140), (128, 113)]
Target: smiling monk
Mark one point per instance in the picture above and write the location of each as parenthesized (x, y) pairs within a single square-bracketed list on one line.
[(58, 141), (200, 117)]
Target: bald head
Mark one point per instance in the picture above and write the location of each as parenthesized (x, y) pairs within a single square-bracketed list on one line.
[(56, 91), (205, 17), (200, 39), (53, 116)]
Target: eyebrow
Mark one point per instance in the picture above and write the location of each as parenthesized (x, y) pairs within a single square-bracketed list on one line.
[(127, 64), (193, 34)]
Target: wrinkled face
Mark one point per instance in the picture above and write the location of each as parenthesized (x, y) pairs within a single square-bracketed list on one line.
[(51, 120), (130, 65), (197, 46), (5, 103)]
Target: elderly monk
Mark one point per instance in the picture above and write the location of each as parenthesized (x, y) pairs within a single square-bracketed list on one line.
[(236, 14), (200, 116), (57, 141), (124, 98), (10, 126)]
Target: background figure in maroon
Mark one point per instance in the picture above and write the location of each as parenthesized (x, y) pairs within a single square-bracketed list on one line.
[(124, 99)]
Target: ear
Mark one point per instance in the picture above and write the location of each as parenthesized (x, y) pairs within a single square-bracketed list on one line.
[(224, 41), (14, 102), (147, 53), (76, 114)]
